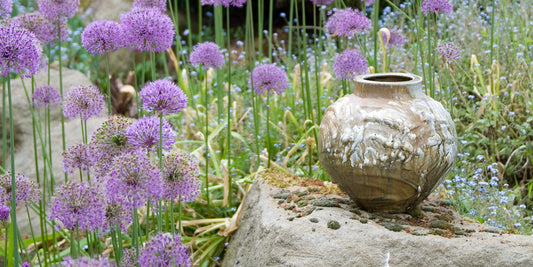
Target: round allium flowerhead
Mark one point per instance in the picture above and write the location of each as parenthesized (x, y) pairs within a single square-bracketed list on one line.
[(42, 27), (86, 101), (180, 172), (4, 212), (436, 6), (207, 54), (449, 51), (268, 78), (163, 96), (46, 96), (85, 261), (133, 179), (144, 133), (147, 30), (347, 22), (109, 141), (78, 157), (55, 9), (101, 37), (6, 7), (117, 215), (159, 4), (26, 190), (349, 64), (225, 3), (164, 249), (78, 205), (20, 51), (322, 2)]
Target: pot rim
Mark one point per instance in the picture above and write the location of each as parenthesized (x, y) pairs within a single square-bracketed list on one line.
[(403, 79)]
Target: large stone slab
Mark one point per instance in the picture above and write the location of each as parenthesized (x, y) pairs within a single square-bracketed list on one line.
[(274, 231)]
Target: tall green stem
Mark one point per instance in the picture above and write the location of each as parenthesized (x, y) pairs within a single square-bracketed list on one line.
[(206, 138), (269, 145), (4, 120), (375, 22), (63, 141), (108, 79), (13, 175), (228, 137)]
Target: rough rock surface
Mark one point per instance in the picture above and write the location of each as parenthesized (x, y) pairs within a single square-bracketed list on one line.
[(24, 153), (278, 227)]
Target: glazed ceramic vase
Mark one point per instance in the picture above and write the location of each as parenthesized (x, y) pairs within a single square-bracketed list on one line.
[(387, 145)]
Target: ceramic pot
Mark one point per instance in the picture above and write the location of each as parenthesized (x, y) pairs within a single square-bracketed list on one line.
[(387, 145)]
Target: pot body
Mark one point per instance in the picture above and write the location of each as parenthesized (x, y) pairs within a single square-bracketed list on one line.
[(387, 145)]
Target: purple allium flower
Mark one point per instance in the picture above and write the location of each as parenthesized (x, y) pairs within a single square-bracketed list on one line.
[(268, 78), (159, 4), (395, 39), (321, 2), (449, 51), (78, 157), (46, 96), (101, 37), (4, 212), (35, 22), (109, 141), (144, 133), (349, 63), (85, 261), (20, 51), (369, 2), (207, 54), (117, 215), (78, 205), (163, 96), (225, 3), (133, 179), (180, 172), (164, 249), (147, 30), (436, 6), (55, 9), (86, 101), (26, 190), (25, 264), (6, 7), (347, 22)]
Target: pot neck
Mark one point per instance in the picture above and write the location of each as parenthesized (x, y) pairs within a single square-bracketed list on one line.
[(388, 85)]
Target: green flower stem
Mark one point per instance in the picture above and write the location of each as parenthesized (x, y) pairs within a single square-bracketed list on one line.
[(13, 174), (188, 13), (4, 122), (63, 141), (206, 137), (228, 137), (375, 23), (33, 234), (270, 18), (269, 144), (260, 18), (430, 59), (291, 18), (135, 231), (108, 79)]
